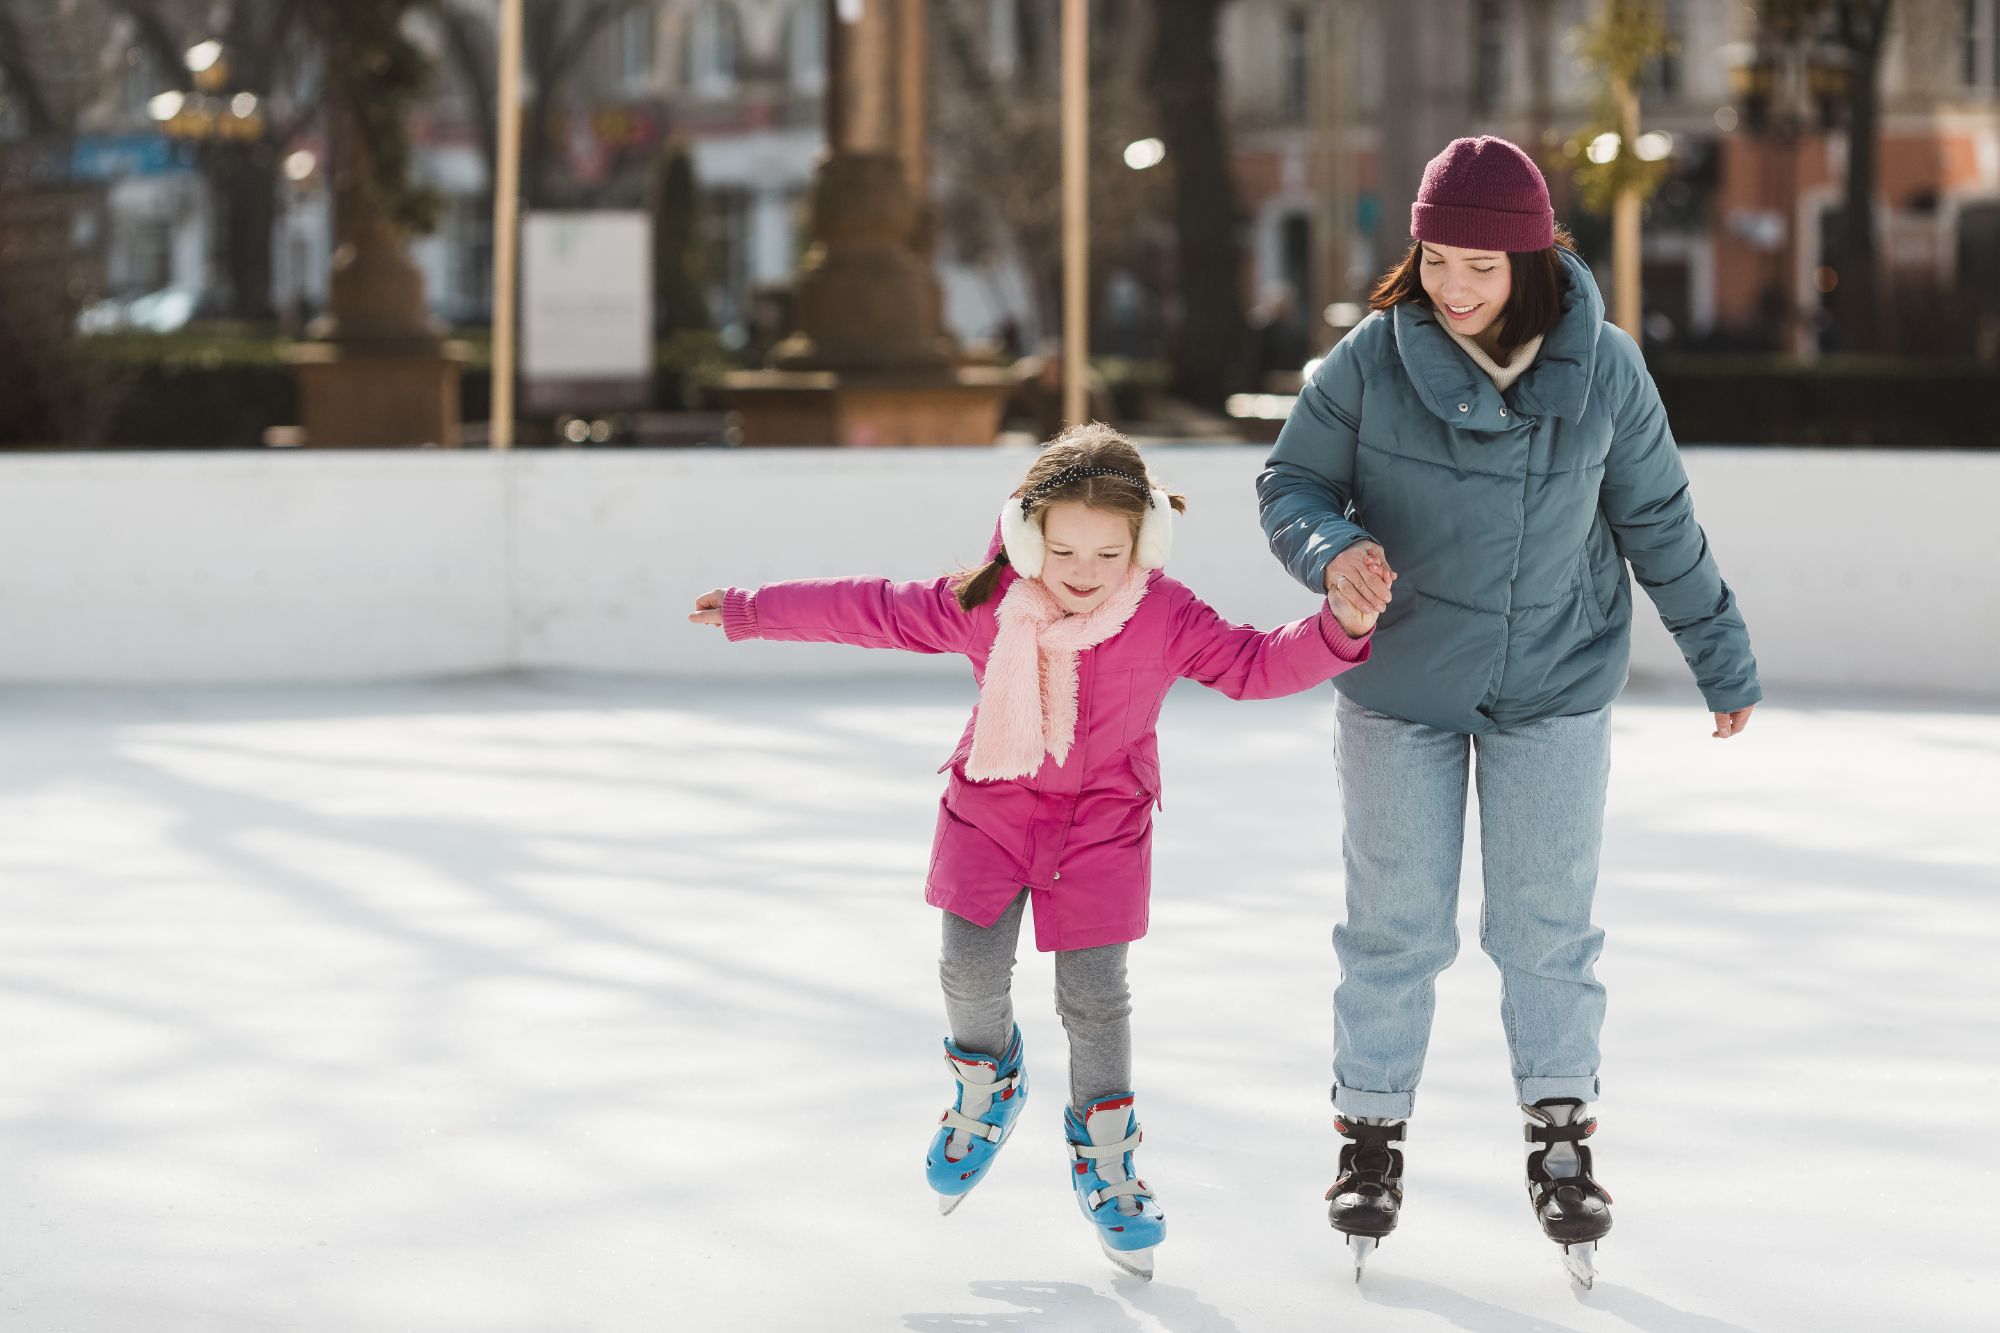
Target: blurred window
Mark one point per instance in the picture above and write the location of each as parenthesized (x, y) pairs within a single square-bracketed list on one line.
[(1489, 35), (1981, 66), (1663, 73), (1298, 66), (726, 213), (638, 47), (805, 46), (712, 51)]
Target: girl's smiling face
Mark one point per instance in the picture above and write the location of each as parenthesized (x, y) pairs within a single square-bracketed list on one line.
[(1090, 554), (1467, 288)]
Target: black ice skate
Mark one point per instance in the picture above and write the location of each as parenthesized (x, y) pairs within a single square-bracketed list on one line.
[(1366, 1200), (1574, 1210)]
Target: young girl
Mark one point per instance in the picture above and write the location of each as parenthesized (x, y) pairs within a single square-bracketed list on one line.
[(1074, 636)]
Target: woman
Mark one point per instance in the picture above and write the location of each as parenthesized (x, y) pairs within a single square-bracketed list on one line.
[(1478, 461)]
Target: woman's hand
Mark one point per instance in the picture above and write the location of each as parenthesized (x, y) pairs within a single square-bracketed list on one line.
[(1357, 587), (1361, 574), (708, 608), (1349, 594), (1732, 724)]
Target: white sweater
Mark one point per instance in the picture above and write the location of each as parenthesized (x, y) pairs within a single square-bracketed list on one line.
[(1524, 356)]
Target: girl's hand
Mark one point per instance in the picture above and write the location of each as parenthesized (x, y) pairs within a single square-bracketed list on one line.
[(708, 608), (1360, 576), (1732, 724), (1354, 621)]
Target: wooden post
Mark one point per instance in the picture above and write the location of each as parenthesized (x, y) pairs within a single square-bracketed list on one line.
[(1076, 209), (912, 120), (506, 224), (1330, 95), (1625, 221)]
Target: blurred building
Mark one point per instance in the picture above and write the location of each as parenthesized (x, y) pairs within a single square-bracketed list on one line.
[(740, 81), (1738, 242), (1738, 245)]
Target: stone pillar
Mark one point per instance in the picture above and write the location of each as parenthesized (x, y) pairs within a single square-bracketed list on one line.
[(374, 370)]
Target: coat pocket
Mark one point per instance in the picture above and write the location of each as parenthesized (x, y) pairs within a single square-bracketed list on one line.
[(1146, 778), (1583, 587)]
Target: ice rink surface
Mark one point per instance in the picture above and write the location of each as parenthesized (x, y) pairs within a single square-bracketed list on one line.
[(567, 1003)]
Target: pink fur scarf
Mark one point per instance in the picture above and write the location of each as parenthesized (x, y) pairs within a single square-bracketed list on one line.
[(1027, 702)]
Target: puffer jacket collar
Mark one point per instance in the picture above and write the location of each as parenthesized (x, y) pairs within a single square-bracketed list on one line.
[(1557, 385)]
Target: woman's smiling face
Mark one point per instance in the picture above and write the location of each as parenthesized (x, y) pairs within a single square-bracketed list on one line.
[(1468, 288)]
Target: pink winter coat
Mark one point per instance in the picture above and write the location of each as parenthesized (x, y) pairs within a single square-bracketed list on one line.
[(1077, 836)]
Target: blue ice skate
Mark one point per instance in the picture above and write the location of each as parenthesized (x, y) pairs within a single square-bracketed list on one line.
[(1128, 1222), (990, 1095)]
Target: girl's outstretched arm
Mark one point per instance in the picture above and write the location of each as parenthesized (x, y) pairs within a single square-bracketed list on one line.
[(1248, 663), (867, 612)]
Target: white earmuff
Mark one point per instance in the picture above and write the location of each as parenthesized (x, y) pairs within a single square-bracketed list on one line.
[(1021, 538), (1156, 531)]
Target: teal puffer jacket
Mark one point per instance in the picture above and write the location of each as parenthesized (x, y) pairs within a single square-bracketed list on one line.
[(1508, 517)]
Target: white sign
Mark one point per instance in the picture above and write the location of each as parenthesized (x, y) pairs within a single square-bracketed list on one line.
[(586, 305)]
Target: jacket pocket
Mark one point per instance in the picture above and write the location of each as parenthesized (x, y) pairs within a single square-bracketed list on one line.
[(1146, 775), (1583, 587)]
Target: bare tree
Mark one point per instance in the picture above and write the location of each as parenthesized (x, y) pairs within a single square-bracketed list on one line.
[(20, 75), (1207, 346), (271, 56), (997, 131), (1861, 28), (556, 36)]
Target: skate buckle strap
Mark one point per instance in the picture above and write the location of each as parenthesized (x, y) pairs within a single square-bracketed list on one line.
[(1371, 1136), (1574, 1133), (1097, 1152), (1124, 1189), (1001, 1088), (958, 1120)]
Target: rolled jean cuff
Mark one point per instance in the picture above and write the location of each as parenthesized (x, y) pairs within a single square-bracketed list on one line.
[(1583, 1087), (1392, 1105)]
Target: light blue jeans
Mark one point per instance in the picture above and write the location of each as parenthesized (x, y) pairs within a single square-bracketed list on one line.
[(1541, 825)]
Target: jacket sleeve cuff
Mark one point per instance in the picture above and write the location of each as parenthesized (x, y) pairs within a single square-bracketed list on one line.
[(739, 614), (1732, 700), (1344, 647)]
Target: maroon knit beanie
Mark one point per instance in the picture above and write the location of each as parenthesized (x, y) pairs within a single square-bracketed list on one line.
[(1483, 194)]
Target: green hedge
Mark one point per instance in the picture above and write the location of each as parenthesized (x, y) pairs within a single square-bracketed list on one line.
[(1852, 401), (221, 386)]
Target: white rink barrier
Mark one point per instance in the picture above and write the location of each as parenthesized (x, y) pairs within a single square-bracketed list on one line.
[(1875, 570)]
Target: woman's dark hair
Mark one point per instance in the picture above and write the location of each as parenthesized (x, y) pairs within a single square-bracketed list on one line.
[(1533, 306), (1094, 445)]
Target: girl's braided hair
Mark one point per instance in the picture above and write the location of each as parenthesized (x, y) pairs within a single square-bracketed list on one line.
[(1091, 465)]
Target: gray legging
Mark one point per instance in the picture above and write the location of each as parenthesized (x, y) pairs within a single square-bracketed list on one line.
[(977, 970)]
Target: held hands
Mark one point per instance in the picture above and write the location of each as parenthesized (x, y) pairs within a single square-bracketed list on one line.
[(1732, 724), (1357, 587), (708, 608)]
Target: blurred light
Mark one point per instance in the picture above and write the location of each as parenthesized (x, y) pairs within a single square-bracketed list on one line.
[(1603, 148), (1345, 314), (1310, 368), (850, 10), (1145, 153), (1725, 119), (166, 106), (576, 430), (244, 105), (1259, 406), (600, 431), (1825, 279), (1653, 146), (200, 58), (300, 166)]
